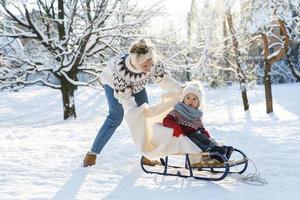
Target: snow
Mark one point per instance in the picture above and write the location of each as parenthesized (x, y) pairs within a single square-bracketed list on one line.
[(41, 154), (274, 54)]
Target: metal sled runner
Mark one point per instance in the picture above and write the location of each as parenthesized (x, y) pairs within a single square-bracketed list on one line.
[(209, 169)]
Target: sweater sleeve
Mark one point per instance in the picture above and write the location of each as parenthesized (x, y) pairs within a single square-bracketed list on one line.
[(123, 92), (164, 79), (169, 121)]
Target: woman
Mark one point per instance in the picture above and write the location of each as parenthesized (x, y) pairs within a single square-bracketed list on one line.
[(124, 79)]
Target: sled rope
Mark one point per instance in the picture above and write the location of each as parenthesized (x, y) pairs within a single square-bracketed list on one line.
[(251, 178)]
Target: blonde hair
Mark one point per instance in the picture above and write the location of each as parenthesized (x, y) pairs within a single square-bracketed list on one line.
[(142, 50)]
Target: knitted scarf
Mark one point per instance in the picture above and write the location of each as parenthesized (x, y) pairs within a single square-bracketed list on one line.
[(188, 112), (187, 116)]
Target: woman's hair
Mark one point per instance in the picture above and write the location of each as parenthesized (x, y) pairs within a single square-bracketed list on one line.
[(141, 50), (140, 46)]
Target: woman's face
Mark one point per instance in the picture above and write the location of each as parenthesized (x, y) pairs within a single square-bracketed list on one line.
[(145, 66), (191, 100)]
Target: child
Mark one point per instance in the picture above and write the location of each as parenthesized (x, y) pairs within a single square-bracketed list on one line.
[(186, 119)]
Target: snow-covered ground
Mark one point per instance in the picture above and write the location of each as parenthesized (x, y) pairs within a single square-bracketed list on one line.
[(41, 154)]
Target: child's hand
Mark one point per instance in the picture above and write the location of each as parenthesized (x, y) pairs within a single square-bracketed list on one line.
[(204, 132), (177, 131)]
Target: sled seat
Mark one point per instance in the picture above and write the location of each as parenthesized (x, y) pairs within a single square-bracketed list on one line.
[(166, 144), (213, 163)]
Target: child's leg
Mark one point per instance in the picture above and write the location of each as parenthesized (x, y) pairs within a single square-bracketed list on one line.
[(202, 141)]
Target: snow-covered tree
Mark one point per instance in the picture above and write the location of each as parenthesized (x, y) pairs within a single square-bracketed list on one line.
[(238, 65), (271, 20), (293, 57), (67, 42)]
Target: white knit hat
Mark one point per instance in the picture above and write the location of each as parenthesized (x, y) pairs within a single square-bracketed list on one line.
[(196, 89)]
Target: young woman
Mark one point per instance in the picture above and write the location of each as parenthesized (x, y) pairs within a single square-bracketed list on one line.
[(124, 79)]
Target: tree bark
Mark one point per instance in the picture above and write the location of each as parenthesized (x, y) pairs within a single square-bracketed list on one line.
[(227, 73), (239, 70), (244, 95), (268, 88), (67, 91), (267, 76), (269, 62)]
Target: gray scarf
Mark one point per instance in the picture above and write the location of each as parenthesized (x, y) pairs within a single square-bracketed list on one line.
[(188, 112)]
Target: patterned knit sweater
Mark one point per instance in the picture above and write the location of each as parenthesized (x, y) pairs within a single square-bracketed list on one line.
[(126, 80), (182, 126)]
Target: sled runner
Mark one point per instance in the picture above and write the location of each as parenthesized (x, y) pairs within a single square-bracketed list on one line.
[(206, 169)]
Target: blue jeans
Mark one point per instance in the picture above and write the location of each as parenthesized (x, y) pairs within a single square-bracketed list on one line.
[(114, 118)]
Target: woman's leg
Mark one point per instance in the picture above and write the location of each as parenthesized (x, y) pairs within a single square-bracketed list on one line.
[(113, 120)]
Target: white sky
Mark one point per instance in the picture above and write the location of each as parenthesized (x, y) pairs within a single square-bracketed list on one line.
[(177, 7), (175, 13)]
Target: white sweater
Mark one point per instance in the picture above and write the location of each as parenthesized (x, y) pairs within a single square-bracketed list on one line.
[(126, 80)]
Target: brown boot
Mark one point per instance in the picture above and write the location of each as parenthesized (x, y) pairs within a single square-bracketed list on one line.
[(89, 160), (146, 161)]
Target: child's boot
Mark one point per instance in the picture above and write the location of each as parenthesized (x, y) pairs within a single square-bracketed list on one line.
[(229, 150), (216, 149)]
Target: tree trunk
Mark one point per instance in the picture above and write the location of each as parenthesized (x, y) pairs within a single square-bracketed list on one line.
[(268, 88), (267, 76), (227, 73), (269, 62), (244, 95), (67, 91), (239, 70)]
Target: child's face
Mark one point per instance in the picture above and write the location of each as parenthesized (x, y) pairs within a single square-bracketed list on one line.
[(191, 100)]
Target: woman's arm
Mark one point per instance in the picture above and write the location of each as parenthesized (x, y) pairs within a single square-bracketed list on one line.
[(123, 93)]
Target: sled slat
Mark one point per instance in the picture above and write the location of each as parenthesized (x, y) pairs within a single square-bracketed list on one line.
[(215, 163)]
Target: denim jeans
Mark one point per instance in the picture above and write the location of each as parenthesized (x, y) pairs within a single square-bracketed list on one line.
[(201, 140), (114, 118)]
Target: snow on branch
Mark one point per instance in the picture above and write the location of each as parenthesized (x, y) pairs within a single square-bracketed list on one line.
[(61, 39), (78, 83), (274, 54)]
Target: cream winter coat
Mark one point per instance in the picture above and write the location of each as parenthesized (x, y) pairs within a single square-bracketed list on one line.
[(151, 137)]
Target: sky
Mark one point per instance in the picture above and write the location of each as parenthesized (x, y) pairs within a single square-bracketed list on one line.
[(175, 14), (177, 7)]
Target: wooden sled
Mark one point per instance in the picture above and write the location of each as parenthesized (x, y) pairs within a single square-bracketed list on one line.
[(207, 169)]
